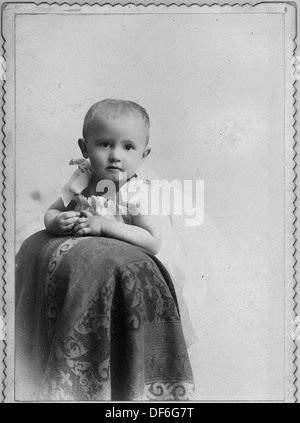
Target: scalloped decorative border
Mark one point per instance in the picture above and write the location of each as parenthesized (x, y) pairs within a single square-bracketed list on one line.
[(3, 291), (291, 175), (295, 220)]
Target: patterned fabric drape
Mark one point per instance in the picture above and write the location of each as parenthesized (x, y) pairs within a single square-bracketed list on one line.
[(97, 320)]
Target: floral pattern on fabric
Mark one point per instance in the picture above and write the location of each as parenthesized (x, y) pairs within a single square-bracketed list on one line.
[(112, 328)]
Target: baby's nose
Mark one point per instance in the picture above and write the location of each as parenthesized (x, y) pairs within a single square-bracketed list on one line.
[(115, 155)]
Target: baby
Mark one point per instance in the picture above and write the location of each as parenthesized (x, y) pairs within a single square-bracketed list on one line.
[(114, 144), (115, 140)]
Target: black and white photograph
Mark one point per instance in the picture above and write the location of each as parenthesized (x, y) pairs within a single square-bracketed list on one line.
[(149, 204)]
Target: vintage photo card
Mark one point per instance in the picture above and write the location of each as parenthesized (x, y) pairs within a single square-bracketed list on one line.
[(197, 97)]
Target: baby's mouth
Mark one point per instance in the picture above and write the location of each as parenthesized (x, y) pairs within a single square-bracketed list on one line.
[(113, 168)]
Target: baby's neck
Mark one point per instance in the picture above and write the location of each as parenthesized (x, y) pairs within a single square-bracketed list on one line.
[(91, 189)]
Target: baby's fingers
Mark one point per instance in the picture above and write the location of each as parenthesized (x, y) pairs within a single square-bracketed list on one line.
[(83, 232), (86, 213), (69, 227), (81, 220), (80, 226), (71, 221), (69, 215)]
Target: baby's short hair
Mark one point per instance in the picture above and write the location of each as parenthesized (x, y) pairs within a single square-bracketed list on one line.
[(114, 108)]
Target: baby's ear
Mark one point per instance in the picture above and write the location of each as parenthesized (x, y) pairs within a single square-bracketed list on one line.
[(146, 153), (82, 146)]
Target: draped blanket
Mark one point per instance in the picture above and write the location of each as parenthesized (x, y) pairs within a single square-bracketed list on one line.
[(97, 320)]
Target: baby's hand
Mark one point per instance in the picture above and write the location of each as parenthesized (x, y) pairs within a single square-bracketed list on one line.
[(88, 224), (64, 222)]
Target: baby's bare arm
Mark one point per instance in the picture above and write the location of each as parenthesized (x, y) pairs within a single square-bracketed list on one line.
[(60, 220), (145, 233)]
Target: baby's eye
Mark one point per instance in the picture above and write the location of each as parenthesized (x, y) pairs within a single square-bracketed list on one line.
[(105, 144), (129, 147)]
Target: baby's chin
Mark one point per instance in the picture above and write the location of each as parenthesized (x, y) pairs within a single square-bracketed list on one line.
[(116, 176)]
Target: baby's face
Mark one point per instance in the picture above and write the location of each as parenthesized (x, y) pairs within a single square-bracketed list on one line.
[(115, 146)]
